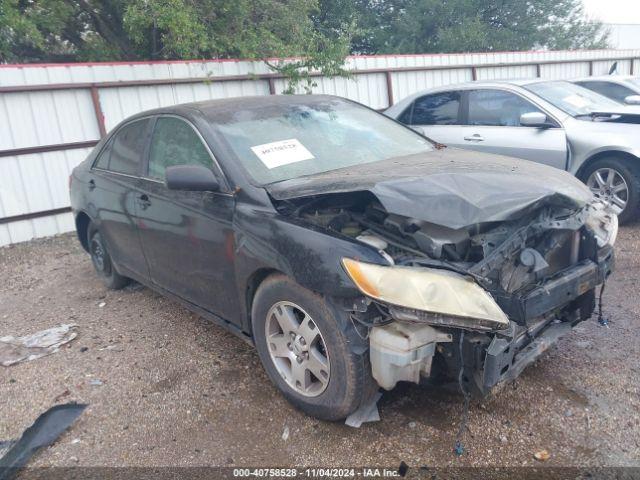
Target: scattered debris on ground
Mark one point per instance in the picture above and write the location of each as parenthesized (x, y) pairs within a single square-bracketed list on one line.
[(542, 455), (368, 412), (44, 431), (24, 349)]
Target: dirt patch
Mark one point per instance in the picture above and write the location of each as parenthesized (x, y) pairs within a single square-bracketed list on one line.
[(176, 390)]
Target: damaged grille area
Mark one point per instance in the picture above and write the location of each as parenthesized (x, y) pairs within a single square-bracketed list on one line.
[(514, 260)]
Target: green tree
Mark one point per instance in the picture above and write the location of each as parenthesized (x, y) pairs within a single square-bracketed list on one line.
[(318, 33), (63, 30), (421, 26)]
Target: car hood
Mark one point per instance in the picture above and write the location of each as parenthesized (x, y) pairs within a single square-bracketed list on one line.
[(621, 114), (449, 187)]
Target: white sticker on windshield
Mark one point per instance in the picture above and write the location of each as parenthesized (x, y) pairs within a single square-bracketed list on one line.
[(284, 152), (577, 101)]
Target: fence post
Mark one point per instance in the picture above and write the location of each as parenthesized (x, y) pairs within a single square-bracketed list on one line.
[(95, 98), (387, 76)]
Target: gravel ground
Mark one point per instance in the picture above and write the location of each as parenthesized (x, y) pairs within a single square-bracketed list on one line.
[(179, 391)]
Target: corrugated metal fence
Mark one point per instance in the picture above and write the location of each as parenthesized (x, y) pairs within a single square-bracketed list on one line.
[(51, 115)]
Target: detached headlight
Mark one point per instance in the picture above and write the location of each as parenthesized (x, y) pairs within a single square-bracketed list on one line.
[(603, 222), (447, 295)]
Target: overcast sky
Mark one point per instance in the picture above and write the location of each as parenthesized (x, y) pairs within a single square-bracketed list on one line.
[(614, 11)]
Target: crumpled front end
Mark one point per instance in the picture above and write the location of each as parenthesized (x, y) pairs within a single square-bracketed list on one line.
[(508, 289)]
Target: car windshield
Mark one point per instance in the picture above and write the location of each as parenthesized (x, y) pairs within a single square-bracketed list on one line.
[(572, 99), (285, 140)]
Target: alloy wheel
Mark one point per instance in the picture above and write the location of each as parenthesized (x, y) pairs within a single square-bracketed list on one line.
[(297, 349), (610, 186)]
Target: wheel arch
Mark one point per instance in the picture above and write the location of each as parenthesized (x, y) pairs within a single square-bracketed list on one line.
[(253, 283), (621, 154), (82, 222)]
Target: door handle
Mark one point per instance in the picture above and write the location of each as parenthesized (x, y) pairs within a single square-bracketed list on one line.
[(144, 202), (92, 184), (475, 138)]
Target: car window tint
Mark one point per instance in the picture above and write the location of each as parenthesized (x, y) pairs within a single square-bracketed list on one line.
[(128, 147), (103, 158), (174, 142), (436, 109), (608, 89), (497, 108), (405, 117)]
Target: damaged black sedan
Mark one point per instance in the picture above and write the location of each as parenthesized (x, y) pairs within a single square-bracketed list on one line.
[(353, 252)]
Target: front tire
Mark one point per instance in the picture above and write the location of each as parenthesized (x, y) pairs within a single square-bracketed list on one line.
[(102, 261), (303, 343), (616, 181)]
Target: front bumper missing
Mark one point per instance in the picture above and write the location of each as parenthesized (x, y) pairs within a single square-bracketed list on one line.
[(509, 354), (404, 350), (564, 287), (505, 359)]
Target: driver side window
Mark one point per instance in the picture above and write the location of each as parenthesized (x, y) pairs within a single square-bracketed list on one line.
[(175, 142), (497, 108)]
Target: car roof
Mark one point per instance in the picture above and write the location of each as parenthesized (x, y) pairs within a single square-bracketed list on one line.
[(215, 110), (468, 86), (607, 78), (487, 84)]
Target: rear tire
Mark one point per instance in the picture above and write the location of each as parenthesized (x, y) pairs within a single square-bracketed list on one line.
[(102, 261), (294, 318), (598, 173)]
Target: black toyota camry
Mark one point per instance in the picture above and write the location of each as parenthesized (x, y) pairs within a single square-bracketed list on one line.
[(351, 251)]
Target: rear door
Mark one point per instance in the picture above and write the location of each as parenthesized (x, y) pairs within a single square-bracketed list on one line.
[(112, 183), (438, 116), (187, 237), (492, 124)]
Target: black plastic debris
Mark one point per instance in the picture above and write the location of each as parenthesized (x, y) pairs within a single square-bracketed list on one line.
[(44, 431)]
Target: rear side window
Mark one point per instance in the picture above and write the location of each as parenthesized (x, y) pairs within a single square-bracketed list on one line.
[(104, 157), (497, 108), (128, 148), (608, 89), (436, 109), (175, 142)]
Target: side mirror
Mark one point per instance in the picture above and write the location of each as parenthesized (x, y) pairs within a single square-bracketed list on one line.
[(534, 119), (632, 100), (195, 178)]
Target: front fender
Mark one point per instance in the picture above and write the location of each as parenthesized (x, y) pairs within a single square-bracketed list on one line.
[(307, 254), (596, 139)]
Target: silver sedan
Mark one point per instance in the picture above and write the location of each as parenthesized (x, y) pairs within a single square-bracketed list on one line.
[(556, 123)]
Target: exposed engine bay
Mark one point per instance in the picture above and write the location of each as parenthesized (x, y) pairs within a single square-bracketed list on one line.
[(540, 268)]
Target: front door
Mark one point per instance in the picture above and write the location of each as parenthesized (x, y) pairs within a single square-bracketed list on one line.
[(187, 237), (492, 125)]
